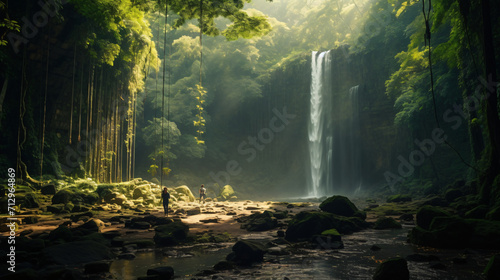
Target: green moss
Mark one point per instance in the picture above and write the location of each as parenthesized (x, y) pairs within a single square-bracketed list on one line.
[(331, 231), (387, 223), (341, 205), (427, 213), (399, 198)]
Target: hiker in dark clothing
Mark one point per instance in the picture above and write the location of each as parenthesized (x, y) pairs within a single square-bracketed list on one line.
[(165, 196)]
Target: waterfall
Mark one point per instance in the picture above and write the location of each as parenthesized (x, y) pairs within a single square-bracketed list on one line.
[(319, 138), (334, 133)]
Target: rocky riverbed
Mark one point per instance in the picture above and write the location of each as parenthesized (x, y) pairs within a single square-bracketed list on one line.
[(118, 231)]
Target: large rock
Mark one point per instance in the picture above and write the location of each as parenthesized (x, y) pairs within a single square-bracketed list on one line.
[(164, 272), (246, 252), (77, 252), (392, 269), (115, 197), (74, 196), (341, 205), (170, 234), (259, 221), (93, 225), (427, 213), (49, 189), (458, 233), (143, 191), (193, 211), (227, 192), (387, 223), (61, 233), (184, 194), (305, 225)]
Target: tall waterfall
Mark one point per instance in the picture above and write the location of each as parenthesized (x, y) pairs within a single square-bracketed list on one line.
[(319, 138), (334, 133)]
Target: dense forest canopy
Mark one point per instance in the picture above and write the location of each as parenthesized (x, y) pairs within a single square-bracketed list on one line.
[(167, 90)]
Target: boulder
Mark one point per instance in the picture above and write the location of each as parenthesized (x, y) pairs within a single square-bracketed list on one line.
[(74, 196), (341, 205), (259, 221), (386, 223), (193, 211), (305, 225), (55, 208), (143, 191), (246, 252), (115, 197), (185, 192), (223, 265), (164, 272), (227, 192), (170, 234), (426, 213), (492, 270), (458, 233), (392, 269), (28, 200), (93, 225), (88, 251), (49, 189), (61, 233)]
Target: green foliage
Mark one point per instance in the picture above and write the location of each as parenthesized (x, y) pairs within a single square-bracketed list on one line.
[(153, 137)]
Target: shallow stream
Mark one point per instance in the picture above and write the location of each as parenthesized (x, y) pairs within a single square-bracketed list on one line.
[(357, 260)]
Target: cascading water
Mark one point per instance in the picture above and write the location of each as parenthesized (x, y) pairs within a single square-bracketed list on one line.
[(319, 138), (334, 136)]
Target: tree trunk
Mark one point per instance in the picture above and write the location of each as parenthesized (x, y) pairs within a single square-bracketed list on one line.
[(493, 121)]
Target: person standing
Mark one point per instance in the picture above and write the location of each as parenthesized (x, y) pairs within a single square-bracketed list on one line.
[(203, 192), (165, 196)]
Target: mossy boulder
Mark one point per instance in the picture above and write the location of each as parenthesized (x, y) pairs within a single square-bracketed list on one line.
[(28, 200), (74, 196), (92, 225), (386, 223), (184, 194), (86, 185), (49, 189), (457, 233), (392, 269), (341, 205), (227, 192), (259, 221), (305, 225), (427, 213), (246, 252), (399, 198), (170, 234), (492, 270)]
